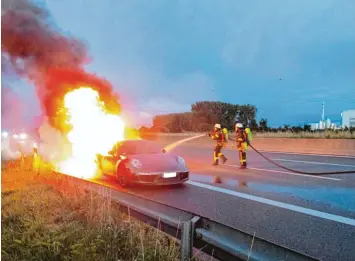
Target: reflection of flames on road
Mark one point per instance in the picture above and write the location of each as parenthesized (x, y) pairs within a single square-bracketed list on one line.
[(93, 131)]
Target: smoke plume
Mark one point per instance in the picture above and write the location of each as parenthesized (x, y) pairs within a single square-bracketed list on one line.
[(11, 109), (36, 49), (32, 42)]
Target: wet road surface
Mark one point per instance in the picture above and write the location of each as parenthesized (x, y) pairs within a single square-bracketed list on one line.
[(311, 214)]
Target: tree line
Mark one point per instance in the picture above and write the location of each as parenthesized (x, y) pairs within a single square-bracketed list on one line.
[(204, 114)]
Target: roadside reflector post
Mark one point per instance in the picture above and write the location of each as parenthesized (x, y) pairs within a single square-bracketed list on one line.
[(186, 241), (35, 158)]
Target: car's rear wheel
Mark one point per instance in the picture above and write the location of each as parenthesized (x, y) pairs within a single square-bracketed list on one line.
[(122, 175)]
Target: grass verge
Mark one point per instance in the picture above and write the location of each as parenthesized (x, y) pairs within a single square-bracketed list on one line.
[(47, 218), (308, 135)]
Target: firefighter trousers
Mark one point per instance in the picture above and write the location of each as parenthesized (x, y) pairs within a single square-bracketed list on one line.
[(217, 153), (242, 150)]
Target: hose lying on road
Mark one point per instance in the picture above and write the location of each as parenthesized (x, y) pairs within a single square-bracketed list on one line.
[(298, 171)]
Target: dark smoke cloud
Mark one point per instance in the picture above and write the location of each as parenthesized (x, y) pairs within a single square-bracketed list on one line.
[(32, 42), (34, 48)]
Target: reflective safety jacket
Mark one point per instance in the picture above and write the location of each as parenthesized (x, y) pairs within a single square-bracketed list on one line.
[(219, 137), (241, 135)]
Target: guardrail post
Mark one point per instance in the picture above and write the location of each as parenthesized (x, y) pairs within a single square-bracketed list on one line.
[(186, 241)]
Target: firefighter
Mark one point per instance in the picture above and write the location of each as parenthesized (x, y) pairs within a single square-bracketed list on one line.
[(220, 139), (242, 142)]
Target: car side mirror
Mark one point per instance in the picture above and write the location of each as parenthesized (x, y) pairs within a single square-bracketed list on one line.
[(163, 150)]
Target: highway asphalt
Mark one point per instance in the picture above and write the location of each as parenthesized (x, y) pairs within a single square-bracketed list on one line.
[(314, 215)]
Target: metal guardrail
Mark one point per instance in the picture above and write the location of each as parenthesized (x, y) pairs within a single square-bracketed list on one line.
[(194, 231)]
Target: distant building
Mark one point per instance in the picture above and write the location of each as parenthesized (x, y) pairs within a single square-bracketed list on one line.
[(314, 126), (348, 118), (324, 122), (328, 123)]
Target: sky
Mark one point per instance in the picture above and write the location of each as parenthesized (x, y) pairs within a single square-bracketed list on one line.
[(284, 57)]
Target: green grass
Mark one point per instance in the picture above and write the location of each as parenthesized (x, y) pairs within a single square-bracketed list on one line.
[(47, 218)]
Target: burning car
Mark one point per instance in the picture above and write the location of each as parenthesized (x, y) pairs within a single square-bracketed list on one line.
[(143, 162)]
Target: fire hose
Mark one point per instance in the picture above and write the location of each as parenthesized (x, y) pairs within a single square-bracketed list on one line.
[(298, 171)]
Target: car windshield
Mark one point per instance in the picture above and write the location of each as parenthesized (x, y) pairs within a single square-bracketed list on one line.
[(138, 147)]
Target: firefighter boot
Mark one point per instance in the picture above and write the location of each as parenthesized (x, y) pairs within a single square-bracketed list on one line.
[(224, 159), (243, 161), (215, 163)]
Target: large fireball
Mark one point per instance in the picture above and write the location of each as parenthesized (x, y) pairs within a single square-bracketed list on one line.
[(93, 131)]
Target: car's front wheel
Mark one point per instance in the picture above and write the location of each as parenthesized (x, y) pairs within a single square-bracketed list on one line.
[(122, 175)]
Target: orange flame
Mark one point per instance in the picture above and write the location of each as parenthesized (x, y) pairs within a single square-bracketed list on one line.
[(94, 131)]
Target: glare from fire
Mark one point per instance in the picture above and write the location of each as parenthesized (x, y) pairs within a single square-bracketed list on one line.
[(94, 131)]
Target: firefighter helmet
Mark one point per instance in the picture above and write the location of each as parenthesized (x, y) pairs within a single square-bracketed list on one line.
[(217, 126), (238, 125)]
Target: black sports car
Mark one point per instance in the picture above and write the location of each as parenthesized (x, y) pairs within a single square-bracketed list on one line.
[(144, 162)]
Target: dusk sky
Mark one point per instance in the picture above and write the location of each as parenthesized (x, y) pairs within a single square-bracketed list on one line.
[(285, 57)]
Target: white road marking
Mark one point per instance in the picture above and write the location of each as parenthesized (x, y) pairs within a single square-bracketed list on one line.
[(315, 162), (307, 211), (310, 154), (285, 172), (266, 151)]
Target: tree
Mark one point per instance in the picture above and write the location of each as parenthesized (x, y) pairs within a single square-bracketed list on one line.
[(307, 127), (297, 129), (204, 114), (254, 124), (247, 114), (263, 125), (286, 128), (207, 111), (212, 112)]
